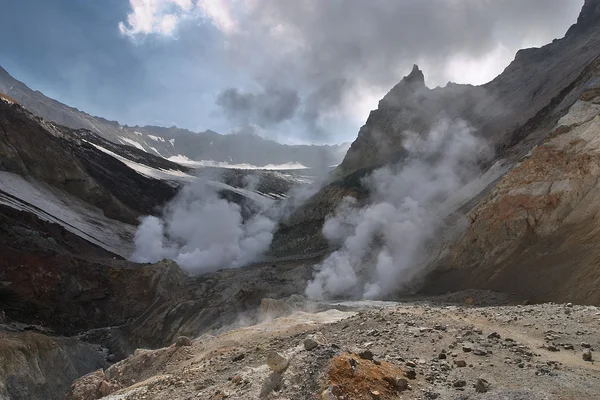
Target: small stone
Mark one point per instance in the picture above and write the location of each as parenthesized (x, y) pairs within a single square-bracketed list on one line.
[(482, 386), (411, 374), (459, 383), (442, 356), (328, 395), (236, 379), (586, 345), (587, 355), (400, 384), (220, 395), (106, 388), (310, 344), (277, 362), (366, 355), (183, 341), (460, 363), (337, 391), (467, 348), (375, 395), (552, 348), (239, 357), (479, 352), (494, 335)]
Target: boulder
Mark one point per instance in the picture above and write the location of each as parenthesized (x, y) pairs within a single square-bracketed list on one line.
[(277, 362)]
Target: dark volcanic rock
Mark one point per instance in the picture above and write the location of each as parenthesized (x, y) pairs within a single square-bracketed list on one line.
[(32, 147)]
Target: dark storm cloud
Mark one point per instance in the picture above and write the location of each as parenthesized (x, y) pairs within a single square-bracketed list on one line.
[(373, 44), (313, 62), (267, 108)]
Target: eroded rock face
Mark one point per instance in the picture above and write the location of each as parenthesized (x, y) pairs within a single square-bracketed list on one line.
[(301, 233), (54, 279), (535, 231)]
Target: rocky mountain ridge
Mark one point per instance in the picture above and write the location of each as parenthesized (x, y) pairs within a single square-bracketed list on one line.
[(173, 142), (513, 113)]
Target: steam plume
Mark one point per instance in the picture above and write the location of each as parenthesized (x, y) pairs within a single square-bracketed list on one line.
[(202, 232), (383, 244)]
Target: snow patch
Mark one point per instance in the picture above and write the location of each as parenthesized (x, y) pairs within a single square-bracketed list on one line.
[(172, 141), (180, 176), (133, 143), (181, 159), (6, 100), (156, 151), (157, 138), (138, 133), (162, 174)]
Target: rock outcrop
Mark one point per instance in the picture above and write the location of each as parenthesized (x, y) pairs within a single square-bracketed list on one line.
[(38, 366)]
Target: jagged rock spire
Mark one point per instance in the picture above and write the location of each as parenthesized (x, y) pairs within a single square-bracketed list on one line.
[(415, 76)]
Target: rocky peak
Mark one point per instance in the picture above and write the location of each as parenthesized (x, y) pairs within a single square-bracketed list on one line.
[(411, 84), (416, 76)]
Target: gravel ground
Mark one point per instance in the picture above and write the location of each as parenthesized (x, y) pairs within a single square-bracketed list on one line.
[(451, 347)]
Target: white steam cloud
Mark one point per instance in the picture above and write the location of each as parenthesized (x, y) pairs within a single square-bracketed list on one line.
[(383, 243), (202, 232)]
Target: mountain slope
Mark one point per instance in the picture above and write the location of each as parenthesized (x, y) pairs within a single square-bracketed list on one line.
[(540, 222), (32, 147), (174, 142)]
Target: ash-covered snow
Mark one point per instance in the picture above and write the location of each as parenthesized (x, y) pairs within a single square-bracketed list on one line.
[(75, 215)]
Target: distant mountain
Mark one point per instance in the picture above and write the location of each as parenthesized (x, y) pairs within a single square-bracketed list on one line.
[(181, 144)]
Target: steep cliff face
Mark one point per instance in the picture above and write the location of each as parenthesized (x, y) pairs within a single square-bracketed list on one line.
[(540, 222)]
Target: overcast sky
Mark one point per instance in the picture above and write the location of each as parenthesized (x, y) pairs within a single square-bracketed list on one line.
[(296, 71)]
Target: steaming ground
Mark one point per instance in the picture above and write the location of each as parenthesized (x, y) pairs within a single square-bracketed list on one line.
[(383, 244), (203, 232)]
